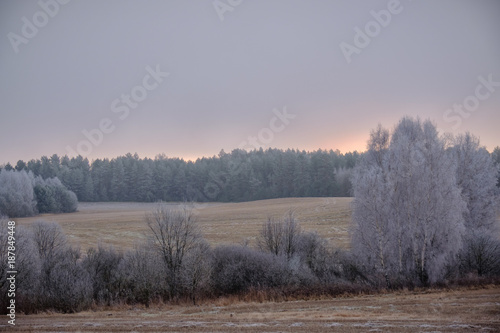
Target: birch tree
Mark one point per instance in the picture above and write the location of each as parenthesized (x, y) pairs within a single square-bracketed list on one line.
[(476, 177), (371, 230), (407, 209)]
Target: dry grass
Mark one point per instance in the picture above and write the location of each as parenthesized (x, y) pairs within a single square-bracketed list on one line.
[(463, 310), (122, 224)]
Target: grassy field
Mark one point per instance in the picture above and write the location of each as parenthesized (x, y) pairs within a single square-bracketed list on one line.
[(122, 224), (429, 311)]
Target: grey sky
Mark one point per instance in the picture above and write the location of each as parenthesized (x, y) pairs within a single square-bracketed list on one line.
[(226, 77)]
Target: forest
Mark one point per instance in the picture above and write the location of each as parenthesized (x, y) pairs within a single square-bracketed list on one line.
[(228, 177)]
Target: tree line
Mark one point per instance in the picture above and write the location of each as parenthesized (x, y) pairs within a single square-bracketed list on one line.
[(235, 176)]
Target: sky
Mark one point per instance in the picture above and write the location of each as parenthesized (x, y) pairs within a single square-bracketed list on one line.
[(189, 78)]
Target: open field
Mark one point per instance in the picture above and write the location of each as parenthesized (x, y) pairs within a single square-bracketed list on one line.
[(430, 311), (122, 224)]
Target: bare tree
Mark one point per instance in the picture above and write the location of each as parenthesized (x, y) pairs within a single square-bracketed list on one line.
[(175, 233), (49, 238), (280, 237), (64, 284)]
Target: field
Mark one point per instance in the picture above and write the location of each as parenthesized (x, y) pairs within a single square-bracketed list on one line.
[(430, 311), (122, 225)]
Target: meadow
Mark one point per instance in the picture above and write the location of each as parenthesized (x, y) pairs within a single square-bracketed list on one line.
[(122, 224)]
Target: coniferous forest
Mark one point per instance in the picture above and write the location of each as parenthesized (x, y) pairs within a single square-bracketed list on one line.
[(235, 176)]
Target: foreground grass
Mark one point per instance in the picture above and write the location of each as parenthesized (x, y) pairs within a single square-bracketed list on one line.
[(461, 310)]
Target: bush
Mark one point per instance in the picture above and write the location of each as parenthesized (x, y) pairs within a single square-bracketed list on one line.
[(314, 252), (196, 271), (67, 286), (238, 269), (103, 266), (144, 276), (27, 266)]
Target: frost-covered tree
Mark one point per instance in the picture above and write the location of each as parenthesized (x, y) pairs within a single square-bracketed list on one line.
[(27, 265), (64, 283), (174, 234), (476, 177), (53, 197), (16, 194), (197, 270), (49, 239), (281, 236), (495, 156), (408, 210), (371, 234)]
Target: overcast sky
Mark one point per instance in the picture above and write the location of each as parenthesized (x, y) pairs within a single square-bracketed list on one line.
[(292, 74)]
